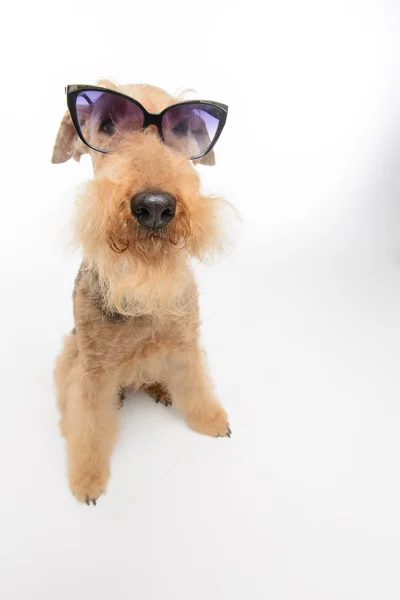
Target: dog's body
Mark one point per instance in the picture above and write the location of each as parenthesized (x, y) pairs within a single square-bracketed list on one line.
[(135, 298)]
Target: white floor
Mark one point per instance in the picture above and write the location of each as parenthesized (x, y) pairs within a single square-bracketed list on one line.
[(303, 500), (301, 322)]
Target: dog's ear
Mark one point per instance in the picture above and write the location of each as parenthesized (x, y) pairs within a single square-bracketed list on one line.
[(67, 144), (208, 159)]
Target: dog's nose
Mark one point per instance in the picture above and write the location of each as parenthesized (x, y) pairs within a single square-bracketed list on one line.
[(153, 209)]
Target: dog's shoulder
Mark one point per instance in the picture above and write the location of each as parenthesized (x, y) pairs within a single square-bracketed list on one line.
[(87, 292)]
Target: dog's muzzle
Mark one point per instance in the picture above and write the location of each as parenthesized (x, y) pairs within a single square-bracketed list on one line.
[(153, 209)]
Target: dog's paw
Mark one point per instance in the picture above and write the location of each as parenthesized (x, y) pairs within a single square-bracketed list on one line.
[(88, 486), (159, 393), (211, 421)]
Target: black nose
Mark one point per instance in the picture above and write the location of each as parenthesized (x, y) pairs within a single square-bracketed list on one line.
[(153, 209)]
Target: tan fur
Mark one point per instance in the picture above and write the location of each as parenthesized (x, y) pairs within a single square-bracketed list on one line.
[(135, 299)]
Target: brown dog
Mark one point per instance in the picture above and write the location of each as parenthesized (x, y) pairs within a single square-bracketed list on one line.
[(135, 300)]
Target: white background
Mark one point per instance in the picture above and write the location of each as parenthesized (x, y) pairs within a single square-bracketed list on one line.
[(301, 320)]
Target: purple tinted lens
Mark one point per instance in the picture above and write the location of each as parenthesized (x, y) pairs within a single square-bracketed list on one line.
[(105, 117), (191, 128)]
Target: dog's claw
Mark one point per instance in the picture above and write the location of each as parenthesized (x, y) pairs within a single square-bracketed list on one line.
[(159, 394), (229, 433), (164, 402), (121, 398), (90, 500)]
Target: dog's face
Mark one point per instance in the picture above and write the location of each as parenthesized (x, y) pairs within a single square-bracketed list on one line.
[(144, 209)]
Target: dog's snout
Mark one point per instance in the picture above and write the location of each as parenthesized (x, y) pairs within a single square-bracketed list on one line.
[(153, 209)]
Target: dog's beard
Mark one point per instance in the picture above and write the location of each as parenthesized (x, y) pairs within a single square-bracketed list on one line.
[(144, 271), (152, 244), (132, 287)]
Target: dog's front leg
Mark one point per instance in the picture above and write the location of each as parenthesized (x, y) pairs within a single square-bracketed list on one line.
[(192, 392), (91, 429)]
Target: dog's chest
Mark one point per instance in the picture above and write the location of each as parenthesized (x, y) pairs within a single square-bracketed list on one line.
[(114, 338)]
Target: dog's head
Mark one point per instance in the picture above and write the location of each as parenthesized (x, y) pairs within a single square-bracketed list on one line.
[(144, 211)]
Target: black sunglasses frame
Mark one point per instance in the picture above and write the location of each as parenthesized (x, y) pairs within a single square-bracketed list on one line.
[(73, 91)]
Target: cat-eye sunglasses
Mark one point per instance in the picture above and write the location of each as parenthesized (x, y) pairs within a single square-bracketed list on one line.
[(101, 116)]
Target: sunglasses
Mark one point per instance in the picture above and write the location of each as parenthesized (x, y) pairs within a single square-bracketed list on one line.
[(101, 117)]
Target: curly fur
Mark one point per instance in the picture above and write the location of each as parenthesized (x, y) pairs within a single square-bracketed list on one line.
[(135, 299)]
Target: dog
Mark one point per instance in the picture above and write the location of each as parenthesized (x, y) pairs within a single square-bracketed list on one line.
[(139, 222)]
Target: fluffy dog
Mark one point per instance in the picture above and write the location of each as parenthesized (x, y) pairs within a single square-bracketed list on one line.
[(135, 298)]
